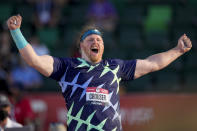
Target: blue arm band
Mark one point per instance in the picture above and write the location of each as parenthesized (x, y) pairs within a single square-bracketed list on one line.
[(18, 38)]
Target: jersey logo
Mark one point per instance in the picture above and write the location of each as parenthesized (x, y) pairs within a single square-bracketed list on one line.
[(96, 95)]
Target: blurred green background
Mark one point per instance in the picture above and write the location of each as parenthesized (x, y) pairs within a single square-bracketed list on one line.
[(143, 28)]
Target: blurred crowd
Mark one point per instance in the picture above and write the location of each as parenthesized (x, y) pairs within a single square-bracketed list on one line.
[(13, 70), (16, 113), (16, 77), (51, 27), (46, 14)]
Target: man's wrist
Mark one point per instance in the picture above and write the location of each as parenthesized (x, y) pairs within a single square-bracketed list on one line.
[(179, 50), (18, 38)]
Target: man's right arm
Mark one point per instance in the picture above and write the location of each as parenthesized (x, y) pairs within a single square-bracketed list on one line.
[(43, 64)]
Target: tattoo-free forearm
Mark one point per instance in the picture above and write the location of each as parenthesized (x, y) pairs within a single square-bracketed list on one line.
[(161, 60)]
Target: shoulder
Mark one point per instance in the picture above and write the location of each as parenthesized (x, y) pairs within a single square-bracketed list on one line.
[(120, 61), (68, 61), (62, 59), (123, 64), (112, 62)]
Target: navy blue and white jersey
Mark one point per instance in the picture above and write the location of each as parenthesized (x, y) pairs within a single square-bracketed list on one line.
[(91, 91)]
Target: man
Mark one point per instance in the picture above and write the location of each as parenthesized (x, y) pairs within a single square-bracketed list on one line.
[(5, 106), (90, 84)]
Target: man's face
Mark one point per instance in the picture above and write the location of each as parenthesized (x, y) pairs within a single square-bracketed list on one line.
[(92, 48)]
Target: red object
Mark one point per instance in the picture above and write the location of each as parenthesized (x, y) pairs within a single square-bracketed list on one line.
[(55, 107), (23, 111), (140, 112), (98, 90)]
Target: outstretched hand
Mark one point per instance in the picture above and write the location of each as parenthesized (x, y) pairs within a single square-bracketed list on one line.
[(184, 44), (14, 22)]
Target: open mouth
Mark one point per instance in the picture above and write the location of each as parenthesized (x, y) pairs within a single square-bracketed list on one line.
[(94, 50)]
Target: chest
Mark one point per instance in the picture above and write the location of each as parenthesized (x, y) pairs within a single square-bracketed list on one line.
[(95, 76)]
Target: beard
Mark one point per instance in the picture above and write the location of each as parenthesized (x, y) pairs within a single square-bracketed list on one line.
[(91, 58)]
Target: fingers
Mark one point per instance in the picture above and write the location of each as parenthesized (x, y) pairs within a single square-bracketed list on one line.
[(15, 19), (186, 41), (14, 22)]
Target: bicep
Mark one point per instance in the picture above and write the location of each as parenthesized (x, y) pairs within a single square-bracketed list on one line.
[(45, 65), (143, 67)]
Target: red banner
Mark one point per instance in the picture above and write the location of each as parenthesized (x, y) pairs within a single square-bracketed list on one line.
[(140, 112)]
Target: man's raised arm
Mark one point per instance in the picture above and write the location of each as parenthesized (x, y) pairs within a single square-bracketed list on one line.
[(44, 64), (161, 60)]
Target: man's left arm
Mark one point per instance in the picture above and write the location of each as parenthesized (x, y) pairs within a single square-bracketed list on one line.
[(159, 61)]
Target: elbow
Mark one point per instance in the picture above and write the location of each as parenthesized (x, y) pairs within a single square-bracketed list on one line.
[(45, 73)]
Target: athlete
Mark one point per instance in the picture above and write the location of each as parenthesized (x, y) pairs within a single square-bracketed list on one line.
[(89, 84)]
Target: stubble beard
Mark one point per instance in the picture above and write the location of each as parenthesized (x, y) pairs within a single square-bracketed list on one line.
[(90, 58)]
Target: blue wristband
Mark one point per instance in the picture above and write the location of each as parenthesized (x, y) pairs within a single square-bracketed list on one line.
[(18, 38)]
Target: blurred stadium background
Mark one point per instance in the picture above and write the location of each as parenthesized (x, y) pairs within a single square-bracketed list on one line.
[(160, 101)]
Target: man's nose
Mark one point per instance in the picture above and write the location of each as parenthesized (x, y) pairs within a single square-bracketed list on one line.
[(95, 41)]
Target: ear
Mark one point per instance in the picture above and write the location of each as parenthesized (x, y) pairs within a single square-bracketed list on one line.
[(80, 45)]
